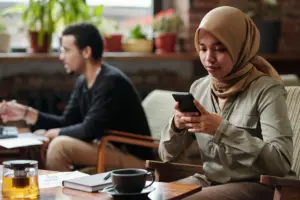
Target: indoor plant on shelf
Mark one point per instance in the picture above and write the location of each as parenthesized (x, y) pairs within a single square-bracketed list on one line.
[(137, 41), (267, 16), (166, 24), (109, 29), (42, 17)]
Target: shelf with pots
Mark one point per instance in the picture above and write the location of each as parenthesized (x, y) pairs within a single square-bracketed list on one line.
[(45, 17)]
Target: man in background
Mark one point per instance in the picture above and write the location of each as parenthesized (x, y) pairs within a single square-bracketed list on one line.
[(103, 98)]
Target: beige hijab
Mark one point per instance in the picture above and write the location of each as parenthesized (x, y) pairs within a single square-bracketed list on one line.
[(237, 32)]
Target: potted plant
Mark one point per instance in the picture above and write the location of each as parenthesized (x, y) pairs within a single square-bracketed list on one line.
[(166, 24), (137, 41), (109, 29), (43, 17), (4, 37), (266, 14)]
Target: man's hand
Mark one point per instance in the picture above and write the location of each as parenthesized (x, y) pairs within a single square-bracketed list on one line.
[(52, 133), (205, 123)]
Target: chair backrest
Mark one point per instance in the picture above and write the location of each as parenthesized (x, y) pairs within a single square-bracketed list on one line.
[(290, 79), (293, 105), (159, 108)]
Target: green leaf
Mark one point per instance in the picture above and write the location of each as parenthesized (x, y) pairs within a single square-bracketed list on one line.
[(97, 10), (136, 32)]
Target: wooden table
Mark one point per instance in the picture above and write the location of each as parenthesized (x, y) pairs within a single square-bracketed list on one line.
[(162, 191)]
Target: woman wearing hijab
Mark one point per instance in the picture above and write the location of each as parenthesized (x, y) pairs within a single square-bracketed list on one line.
[(243, 130)]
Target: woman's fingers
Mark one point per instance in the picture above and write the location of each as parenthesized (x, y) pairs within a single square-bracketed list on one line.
[(176, 107), (191, 119), (201, 109)]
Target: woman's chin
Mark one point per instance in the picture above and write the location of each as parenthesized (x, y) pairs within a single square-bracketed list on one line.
[(215, 75)]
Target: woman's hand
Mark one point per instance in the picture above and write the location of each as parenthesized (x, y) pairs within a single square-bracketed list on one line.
[(178, 117), (205, 123)]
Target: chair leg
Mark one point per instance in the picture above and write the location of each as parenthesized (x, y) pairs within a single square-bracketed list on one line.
[(101, 157)]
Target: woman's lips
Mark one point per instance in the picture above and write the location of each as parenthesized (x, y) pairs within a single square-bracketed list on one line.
[(212, 69)]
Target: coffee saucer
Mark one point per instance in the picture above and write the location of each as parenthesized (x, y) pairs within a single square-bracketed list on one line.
[(117, 195)]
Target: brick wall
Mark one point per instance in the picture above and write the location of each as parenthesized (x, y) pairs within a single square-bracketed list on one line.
[(196, 9)]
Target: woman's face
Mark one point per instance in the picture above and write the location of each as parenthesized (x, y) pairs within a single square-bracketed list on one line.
[(214, 56)]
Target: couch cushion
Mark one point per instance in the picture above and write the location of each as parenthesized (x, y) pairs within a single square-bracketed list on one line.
[(293, 104)]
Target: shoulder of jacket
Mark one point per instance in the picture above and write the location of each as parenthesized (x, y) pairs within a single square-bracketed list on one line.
[(200, 83)]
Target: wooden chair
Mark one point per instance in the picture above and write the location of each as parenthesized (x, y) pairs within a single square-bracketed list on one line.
[(159, 107), (285, 188)]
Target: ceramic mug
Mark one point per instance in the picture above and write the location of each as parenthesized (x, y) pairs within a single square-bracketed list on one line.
[(131, 180)]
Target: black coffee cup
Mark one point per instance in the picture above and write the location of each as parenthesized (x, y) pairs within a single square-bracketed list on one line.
[(130, 180)]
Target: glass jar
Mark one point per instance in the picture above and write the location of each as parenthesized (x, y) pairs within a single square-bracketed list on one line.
[(20, 179)]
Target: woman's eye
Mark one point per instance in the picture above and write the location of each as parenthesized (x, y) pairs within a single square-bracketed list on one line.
[(221, 50), (202, 49)]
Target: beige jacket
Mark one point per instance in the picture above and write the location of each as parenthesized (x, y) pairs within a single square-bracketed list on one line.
[(254, 138)]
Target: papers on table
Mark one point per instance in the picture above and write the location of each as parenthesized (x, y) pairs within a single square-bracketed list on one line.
[(55, 179), (23, 140), (19, 142), (32, 136)]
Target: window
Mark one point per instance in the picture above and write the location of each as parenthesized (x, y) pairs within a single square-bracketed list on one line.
[(125, 13)]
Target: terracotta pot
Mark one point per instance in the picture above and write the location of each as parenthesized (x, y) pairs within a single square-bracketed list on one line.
[(34, 47), (113, 43), (165, 43)]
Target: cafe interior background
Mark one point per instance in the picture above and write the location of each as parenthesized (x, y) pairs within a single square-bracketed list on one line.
[(32, 73)]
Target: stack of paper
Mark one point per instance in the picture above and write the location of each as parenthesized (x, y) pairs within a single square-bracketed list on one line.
[(23, 140)]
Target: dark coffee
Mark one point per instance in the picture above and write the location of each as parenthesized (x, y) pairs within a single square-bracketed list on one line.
[(130, 180)]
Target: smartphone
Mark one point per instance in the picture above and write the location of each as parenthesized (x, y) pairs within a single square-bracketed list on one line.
[(185, 100)]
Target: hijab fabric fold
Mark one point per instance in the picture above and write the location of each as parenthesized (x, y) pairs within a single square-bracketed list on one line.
[(238, 33)]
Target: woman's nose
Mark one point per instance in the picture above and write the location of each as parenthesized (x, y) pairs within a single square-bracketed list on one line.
[(210, 57)]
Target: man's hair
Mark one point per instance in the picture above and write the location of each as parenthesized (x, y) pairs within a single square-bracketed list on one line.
[(86, 34)]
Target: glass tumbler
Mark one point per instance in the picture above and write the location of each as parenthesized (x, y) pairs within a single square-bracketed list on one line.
[(20, 179)]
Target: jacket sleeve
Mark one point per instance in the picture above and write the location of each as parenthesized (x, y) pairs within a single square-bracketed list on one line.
[(273, 153), (173, 143), (70, 116), (106, 103)]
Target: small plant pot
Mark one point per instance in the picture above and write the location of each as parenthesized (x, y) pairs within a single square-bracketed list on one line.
[(165, 43), (4, 42), (34, 47), (138, 45), (113, 43)]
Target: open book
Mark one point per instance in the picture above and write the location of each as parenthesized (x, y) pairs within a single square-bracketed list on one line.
[(89, 183)]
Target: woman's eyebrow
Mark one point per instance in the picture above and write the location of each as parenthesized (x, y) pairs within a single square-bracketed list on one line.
[(213, 44)]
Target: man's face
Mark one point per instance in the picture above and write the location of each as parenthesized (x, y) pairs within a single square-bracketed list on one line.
[(71, 55)]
